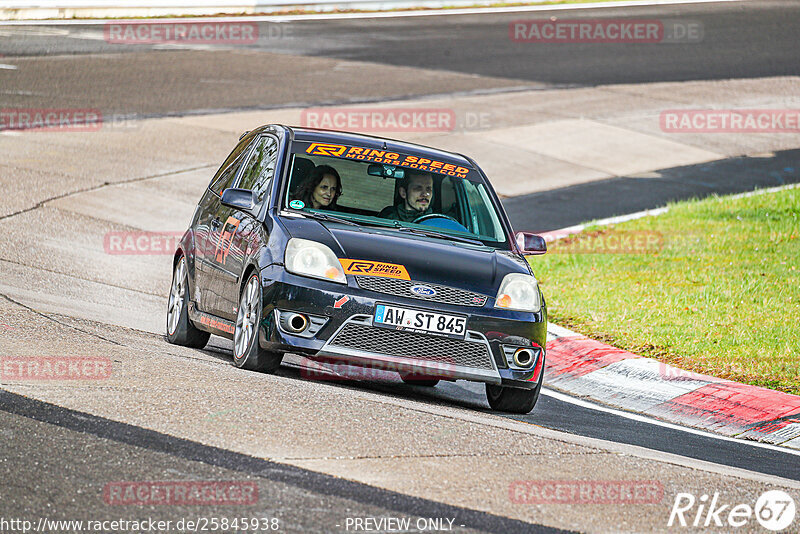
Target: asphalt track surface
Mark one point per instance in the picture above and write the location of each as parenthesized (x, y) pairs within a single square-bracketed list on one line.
[(741, 40), (732, 45), (93, 446), (569, 206), (568, 417), (469, 53)]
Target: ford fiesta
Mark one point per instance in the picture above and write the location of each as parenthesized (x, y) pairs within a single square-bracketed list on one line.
[(348, 248)]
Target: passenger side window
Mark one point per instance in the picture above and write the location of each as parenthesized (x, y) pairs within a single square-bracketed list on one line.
[(483, 221), (260, 168), (449, 202)]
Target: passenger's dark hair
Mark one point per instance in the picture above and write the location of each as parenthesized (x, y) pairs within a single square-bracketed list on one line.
[(305, 191)]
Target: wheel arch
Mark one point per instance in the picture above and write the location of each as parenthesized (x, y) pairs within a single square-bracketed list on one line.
[(250, 269), (177, 256)]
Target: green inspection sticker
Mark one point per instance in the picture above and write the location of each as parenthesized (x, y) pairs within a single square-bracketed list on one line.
[(297, 204)]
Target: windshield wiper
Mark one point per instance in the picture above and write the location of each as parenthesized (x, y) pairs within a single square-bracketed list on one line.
[(440, 235), (325, 217)]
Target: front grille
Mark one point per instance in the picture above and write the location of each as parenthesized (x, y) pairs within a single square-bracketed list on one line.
[(402, 288), (444, 350)]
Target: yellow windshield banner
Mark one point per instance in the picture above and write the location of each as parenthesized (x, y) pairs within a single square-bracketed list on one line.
[(374, 155), (374, 268)]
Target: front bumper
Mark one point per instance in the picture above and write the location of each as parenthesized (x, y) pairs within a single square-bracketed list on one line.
[(348, 335)]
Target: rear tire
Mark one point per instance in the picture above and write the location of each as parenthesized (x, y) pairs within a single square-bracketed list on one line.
[(419, 380), (513, 400), (247, 353), (180, 330)]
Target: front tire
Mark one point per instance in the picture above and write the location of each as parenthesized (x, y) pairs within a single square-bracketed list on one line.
[(180, 330), (513, 400), (247, 353)]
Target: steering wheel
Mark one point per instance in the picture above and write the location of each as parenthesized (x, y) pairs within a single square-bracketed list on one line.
[(440, 220), (423, 218)]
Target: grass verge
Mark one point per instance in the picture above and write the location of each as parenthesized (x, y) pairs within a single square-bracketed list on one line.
[(711, 286)]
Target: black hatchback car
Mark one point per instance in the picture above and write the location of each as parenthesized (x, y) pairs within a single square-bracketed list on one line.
[(374, 252)]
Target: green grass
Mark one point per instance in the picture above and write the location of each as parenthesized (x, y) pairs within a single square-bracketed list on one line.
[(720, 296)]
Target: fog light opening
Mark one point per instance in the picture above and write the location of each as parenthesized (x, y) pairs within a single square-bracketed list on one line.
[(523, 358), (296, 323)]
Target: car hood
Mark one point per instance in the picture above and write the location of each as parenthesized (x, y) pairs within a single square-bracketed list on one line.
[(437, 261)]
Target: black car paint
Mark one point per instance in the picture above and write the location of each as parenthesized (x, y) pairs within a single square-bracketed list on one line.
[(221, 255)]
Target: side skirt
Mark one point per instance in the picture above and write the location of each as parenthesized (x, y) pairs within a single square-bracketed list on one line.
[(211, 323)]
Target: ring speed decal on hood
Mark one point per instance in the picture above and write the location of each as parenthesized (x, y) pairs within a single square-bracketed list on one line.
[(374, 268)]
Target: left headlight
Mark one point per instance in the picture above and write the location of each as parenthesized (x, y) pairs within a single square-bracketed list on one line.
[(519, 292), (309, 258)]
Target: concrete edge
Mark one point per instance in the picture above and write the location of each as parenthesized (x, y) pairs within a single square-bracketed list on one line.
[(584, 367)]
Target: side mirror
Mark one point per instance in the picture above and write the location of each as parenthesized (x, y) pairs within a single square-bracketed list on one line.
[(240, 199), (529, 243)]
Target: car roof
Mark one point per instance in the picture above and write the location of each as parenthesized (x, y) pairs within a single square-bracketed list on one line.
[(380, 143)]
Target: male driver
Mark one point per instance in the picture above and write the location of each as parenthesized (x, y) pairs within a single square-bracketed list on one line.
[(416, 190)]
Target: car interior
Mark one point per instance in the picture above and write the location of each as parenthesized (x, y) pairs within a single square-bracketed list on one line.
[(363, 194)]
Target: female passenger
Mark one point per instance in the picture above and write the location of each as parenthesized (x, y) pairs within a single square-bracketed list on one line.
[(321, 189)]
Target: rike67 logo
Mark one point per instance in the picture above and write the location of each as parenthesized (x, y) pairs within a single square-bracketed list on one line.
[(774, 510)]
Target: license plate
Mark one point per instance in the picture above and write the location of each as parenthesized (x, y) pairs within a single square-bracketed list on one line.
[(420, 321)]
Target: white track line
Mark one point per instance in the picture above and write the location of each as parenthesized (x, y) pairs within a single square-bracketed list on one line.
[(644, 419), (375, 15)]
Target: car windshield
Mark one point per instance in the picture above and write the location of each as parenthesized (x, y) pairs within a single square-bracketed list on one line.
[(427, 197)]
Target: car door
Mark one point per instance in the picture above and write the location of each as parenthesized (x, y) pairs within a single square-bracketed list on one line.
[(240, 229), (206, 227)]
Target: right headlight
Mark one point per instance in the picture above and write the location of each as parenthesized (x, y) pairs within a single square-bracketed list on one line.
[(519, 292), (309, 258)]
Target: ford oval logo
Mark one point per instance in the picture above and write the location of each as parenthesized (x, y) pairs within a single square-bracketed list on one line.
[(423, 291)]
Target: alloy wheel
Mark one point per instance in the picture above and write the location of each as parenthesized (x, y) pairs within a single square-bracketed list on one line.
[(246, 318), (176, 296)]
